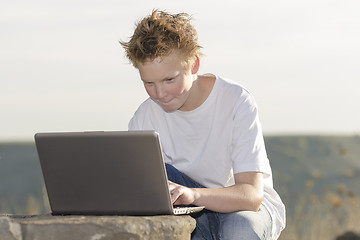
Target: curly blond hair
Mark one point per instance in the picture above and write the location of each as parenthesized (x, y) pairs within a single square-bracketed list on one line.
[(159, 35)]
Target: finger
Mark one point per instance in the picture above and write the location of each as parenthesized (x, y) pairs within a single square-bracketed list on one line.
[(175, 194), (171, 185)]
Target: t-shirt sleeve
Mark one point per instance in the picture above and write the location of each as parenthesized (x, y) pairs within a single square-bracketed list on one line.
[(248, 148), (133, 124), (137, 121), (141, 119)]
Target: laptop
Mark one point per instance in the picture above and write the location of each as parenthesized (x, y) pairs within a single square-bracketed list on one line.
[(105, 173)]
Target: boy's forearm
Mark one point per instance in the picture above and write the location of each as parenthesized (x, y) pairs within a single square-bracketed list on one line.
[(229, 199)]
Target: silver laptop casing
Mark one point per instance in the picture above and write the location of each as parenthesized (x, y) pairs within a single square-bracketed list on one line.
[(104, 173)]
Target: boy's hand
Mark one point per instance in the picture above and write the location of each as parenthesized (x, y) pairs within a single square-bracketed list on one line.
[(181, 195)]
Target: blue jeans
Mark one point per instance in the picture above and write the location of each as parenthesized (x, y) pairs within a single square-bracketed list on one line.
[(224, 226)]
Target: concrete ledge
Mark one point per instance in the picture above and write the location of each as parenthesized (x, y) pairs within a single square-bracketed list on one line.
[(47, 227)]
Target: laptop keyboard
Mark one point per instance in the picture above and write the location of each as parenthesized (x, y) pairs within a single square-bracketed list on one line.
[(186, 210)]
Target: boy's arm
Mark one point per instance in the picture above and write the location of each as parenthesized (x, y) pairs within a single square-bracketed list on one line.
[(246, 194)]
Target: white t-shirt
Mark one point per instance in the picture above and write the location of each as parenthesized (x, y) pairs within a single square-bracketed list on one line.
[(218, 139)]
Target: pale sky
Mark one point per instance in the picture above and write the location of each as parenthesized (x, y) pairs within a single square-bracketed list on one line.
[(62, 68)]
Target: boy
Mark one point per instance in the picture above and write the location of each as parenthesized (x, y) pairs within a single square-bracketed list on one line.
[(210, 133)]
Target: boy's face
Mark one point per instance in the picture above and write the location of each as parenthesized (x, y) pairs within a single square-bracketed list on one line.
[(168, 82)]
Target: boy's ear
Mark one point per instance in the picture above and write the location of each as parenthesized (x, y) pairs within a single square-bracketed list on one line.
[(196, 66)]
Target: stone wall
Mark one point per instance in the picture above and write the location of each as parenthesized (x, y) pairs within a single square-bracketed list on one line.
[(47, 227)]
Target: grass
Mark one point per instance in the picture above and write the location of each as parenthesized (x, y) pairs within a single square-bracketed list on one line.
[(325, 217)]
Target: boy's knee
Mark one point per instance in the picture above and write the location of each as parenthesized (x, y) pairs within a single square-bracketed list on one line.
[(239, 230), (247, 225)]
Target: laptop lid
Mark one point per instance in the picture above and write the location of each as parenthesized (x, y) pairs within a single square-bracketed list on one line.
[(104, 173)]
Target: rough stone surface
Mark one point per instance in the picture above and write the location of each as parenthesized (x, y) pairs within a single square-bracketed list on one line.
[(9, 229), (47, 227)]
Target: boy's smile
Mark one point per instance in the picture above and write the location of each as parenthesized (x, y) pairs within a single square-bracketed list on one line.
[(169, 82)]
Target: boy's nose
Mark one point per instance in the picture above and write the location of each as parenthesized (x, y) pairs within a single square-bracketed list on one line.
[(160, 92)]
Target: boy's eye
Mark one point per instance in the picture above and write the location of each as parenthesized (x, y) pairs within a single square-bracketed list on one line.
[(170, 79)]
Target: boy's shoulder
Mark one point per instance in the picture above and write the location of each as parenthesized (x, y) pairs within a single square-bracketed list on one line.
[(232, 87), (148, 105), (235, 93)]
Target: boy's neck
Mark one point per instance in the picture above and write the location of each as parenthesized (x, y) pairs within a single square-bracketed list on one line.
[(199, 92)]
